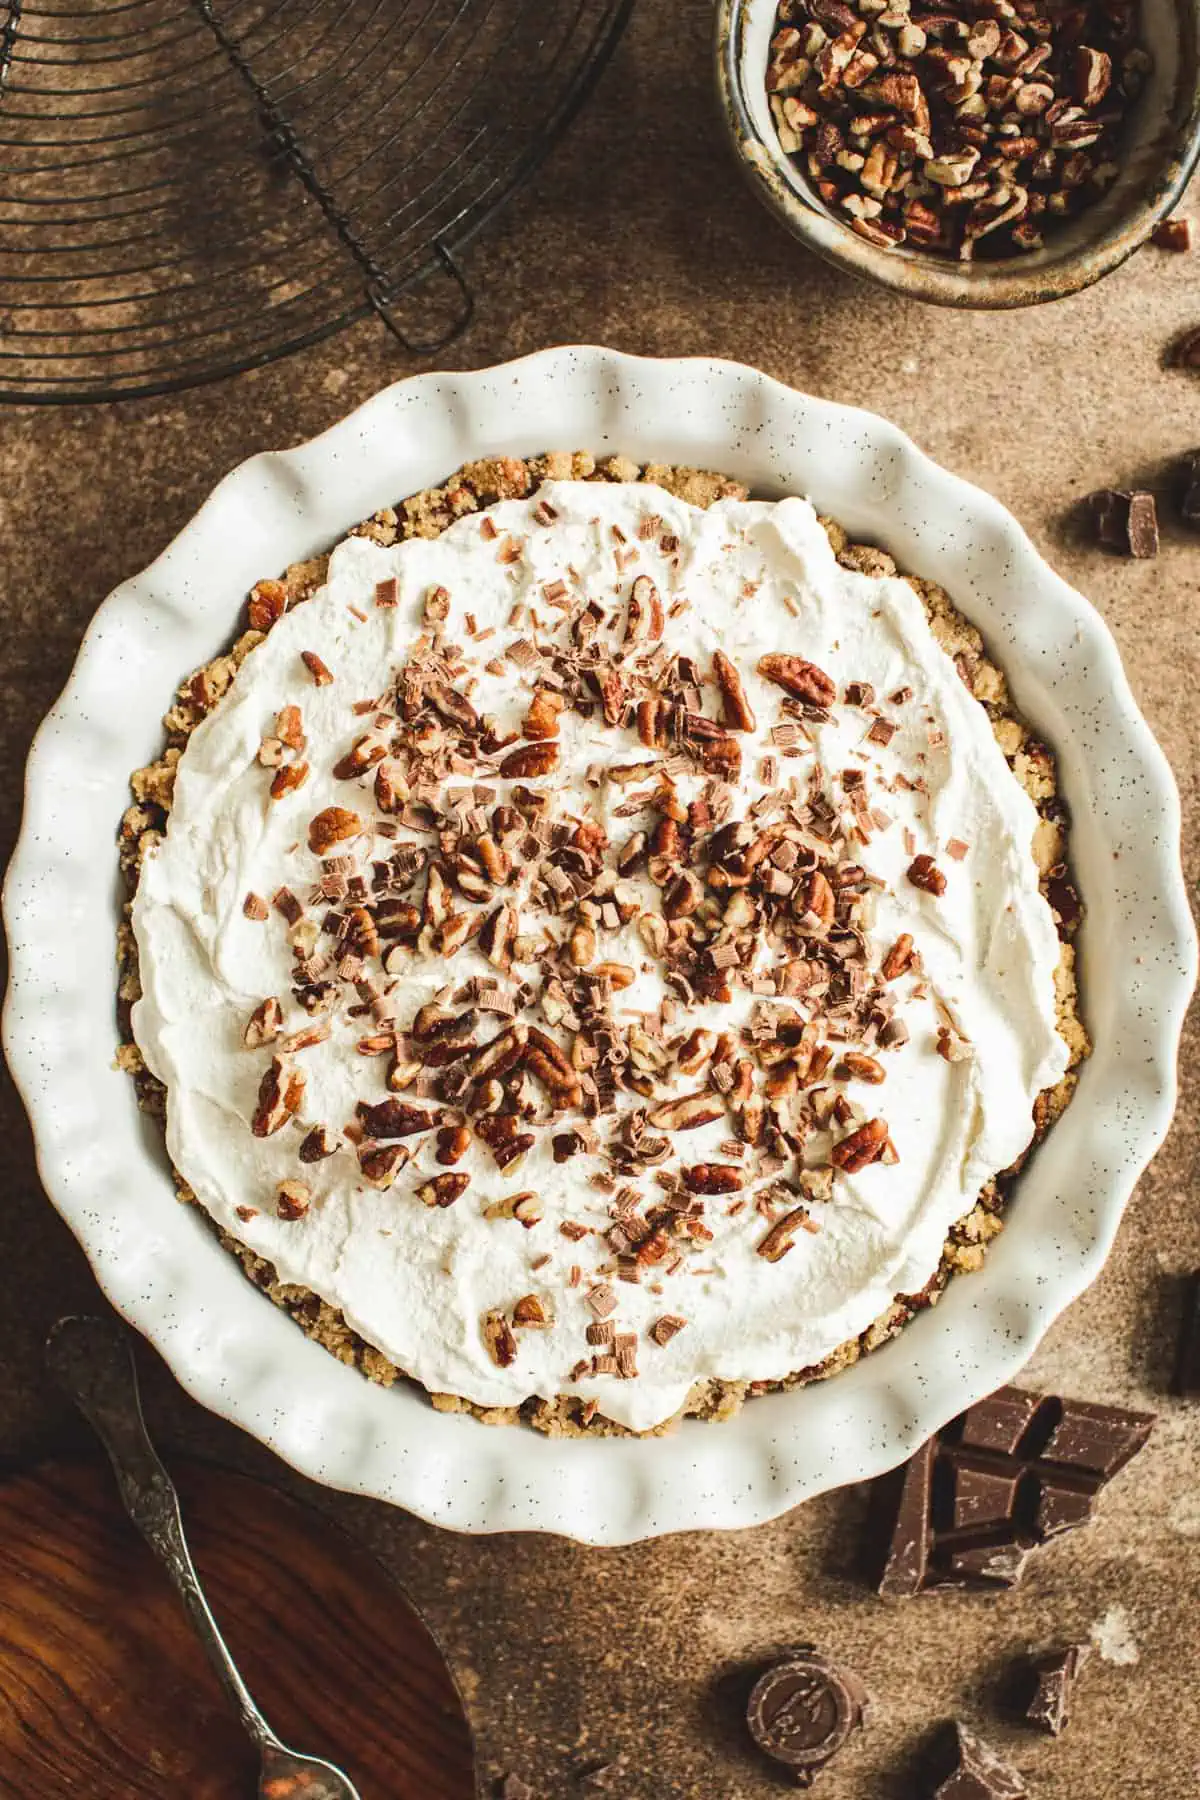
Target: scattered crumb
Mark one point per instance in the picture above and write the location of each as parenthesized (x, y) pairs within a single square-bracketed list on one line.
[(1114, 1640)]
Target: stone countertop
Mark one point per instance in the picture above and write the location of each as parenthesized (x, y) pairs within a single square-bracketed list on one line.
[(639, 233)]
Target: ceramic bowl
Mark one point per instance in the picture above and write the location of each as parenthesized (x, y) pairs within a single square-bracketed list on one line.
[(1162, 150), (103, 1163)]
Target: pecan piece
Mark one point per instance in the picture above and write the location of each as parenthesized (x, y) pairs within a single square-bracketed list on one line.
[(899, 958), (381, 1163), (736, 709), (541, 721), (688, 1112), (264, 1024), (394, 1119), (924, 873), (802, 679), (288, 778), (695, 1050), (713, 1178), (444, 1190), (645, 618), (866, 1145), (292, 1199), (502, 1054), (721, 756), (530, 1312), (317, 1145), (332, 826), (498, 1336), (502, 1134), (778, 1241), (530, 761), (855, 1066), (453, 1142), (817, 901), (280, 1094), (268, 602), (497, 936), (363, 755), (321, 673)]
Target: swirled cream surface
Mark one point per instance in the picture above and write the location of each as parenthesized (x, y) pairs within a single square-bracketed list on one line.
[(647, 874)]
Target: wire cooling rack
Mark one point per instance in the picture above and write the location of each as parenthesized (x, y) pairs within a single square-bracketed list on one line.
[(193, 187)]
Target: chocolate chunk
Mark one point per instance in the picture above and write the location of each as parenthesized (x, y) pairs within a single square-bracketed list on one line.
[(978, 1773), (1186, 1378), (1172, 234), (802, 1710), (971, 1507), (1054, 1676), (1189, 497), (1185, 352), (1126, 521), (900, 1524)]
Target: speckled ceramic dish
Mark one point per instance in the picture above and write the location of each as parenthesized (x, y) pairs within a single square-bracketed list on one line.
[(104, 1166), (1163, 146)]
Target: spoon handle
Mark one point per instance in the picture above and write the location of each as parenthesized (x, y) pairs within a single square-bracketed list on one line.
[(92, 1361)]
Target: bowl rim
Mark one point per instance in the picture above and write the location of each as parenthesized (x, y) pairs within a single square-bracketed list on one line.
[(1006, 285), (105, 1168)]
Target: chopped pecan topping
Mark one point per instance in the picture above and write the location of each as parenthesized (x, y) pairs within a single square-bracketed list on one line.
[(394, 1119), (332, 826), (530, 1312), (688, 1112), (736, 709), (317, 1145), (264, 1024), (268, 603), (280, 1094), (541, 721), (255, 907), (866, 1145), (803, 680), (319, 671), (855, 1066), (899, 958), (924, 873), (444, 1190), (778, 1240), (645, 618), (381, 1163), (292, 1199), (498, 1336), (288, 778), (713, 1178), (453, 1142), (530, 761)]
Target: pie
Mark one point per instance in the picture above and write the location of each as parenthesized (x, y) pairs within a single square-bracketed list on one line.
[(600, 944)]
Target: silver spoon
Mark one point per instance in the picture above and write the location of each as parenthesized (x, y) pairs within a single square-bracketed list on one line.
[(92, 1360)]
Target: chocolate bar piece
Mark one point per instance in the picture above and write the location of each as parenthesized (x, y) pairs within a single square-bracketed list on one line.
[(1126, 520), (978, 1773), (802, 1710), (978, 1499), (1189, 490), (1054, 1676), (1186, 1379)]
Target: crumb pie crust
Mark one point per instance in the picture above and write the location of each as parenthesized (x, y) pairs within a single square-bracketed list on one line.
[(428, 514)]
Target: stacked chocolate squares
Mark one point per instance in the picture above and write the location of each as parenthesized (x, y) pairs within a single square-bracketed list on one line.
[(1005, 1477)]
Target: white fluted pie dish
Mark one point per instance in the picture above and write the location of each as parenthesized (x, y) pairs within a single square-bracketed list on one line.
[(104, 1166)]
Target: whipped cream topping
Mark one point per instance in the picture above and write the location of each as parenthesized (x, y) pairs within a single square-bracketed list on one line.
[(801, 1251)]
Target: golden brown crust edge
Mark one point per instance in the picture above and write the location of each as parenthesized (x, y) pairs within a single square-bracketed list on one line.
[(427, 514)]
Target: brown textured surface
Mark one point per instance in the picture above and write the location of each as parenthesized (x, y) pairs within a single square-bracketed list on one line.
[(640, 234)]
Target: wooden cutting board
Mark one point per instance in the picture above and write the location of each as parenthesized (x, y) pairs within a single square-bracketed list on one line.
[(105, 1695)]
